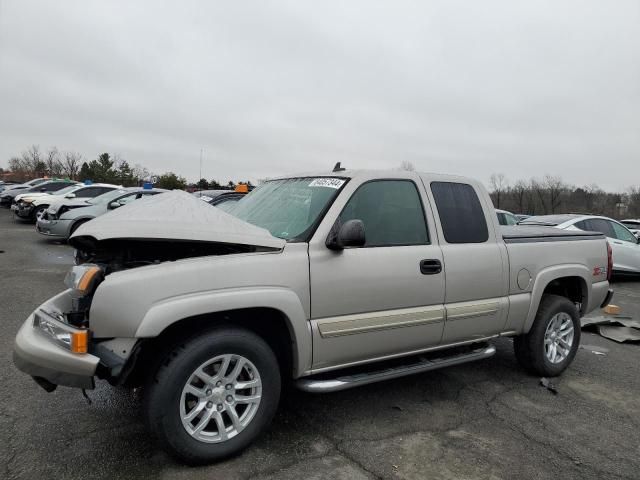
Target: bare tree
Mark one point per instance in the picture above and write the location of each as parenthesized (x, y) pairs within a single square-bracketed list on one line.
[(141, 173), (32, 160), (71, 164), (540, 194), (634, 200), (52, 162), (407, 166), (519, 192), (555, 188), (18, 166), (499, 185)]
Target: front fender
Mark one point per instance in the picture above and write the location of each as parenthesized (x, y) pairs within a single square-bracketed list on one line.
[(165, 312), (546, 276)]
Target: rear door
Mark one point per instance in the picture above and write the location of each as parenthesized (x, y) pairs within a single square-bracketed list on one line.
[(385, 298), (476, 268)]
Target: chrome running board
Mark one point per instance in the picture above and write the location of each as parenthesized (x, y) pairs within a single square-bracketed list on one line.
[(325, 385)]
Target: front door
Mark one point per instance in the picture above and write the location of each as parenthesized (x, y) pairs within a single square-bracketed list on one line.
[(385, 298)]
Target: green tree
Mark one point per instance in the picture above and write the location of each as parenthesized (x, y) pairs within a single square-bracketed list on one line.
[(99, 170), (214, 185), (85, 172), (202, 184), (125, 175), (171, 181)]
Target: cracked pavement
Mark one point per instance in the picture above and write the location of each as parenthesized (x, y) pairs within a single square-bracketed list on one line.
[(487, 419)]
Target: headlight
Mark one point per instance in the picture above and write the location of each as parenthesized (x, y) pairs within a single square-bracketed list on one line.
[(26, 200), (73, 339), (82, 279)]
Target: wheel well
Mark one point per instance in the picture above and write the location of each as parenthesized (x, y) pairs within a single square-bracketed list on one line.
[(573, 288), (268, 323)]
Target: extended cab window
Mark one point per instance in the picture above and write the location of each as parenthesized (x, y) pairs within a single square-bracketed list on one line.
[(461, 213), (391, 211)]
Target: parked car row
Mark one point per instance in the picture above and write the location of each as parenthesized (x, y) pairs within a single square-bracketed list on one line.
[(9, 192), (59, 207), (31, 206)]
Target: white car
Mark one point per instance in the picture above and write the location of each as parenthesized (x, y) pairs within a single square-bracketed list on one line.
[(32, 206), (624, 244), (633, 224), (506, 218)]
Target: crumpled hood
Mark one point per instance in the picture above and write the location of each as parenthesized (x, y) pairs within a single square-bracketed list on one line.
[(176, 215), (31, 195)]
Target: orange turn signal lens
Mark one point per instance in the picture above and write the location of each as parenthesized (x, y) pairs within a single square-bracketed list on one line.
[(85, 281), (80, 341)]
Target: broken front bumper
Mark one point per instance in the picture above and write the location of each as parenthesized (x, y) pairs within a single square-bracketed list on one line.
[(38, 355), (53, 228), (23, 210)]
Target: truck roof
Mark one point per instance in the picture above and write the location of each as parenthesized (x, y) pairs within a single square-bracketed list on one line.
[(374, 174)]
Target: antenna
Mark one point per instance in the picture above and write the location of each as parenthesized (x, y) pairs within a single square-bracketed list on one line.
[(201, 150), (338, 168)]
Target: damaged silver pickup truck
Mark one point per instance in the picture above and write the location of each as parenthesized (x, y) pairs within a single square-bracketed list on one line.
[(328, 281)]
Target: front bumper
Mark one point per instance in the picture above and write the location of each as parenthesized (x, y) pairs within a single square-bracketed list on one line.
[(39, 356), (53, 228), (23, 210)]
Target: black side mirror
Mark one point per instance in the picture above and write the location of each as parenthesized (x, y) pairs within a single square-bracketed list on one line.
[(348, 234)]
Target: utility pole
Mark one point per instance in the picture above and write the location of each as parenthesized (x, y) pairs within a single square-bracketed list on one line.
[(201, 152)]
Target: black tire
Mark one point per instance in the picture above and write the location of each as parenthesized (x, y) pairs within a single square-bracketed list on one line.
[(163, 392), (530, 348)]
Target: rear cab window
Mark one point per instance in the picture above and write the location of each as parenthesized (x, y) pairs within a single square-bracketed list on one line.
[(461, 214)]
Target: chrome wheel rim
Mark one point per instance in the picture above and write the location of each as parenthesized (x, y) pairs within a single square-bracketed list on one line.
[(220, 398), (558, 338)]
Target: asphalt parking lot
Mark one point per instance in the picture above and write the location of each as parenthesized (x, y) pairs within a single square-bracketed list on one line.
[(481, 420)]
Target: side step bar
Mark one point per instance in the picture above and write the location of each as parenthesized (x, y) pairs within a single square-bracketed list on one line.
[(327, 385)]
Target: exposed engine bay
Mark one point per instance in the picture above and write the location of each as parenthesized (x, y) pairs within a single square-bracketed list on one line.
[(117, 254)]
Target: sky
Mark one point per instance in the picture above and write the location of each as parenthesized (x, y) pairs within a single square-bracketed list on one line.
[(265, 88)]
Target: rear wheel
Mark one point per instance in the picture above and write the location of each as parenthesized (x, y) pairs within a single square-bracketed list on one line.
[(553, 340), (213, 395)]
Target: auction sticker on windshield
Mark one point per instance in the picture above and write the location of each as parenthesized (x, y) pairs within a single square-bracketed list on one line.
[(327, 182)]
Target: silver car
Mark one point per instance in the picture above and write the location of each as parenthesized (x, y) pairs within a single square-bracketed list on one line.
[(62, 220)]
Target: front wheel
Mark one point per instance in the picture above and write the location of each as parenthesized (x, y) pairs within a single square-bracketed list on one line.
[(38, 212), (553, 340), (213, 395)]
